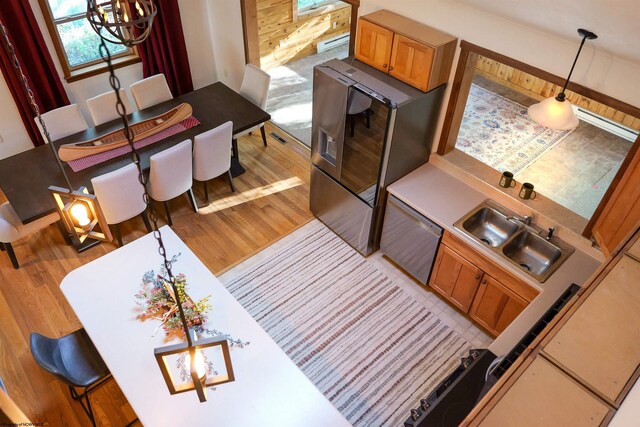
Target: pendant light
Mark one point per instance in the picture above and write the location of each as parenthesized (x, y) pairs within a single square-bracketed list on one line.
[(556, 112), (121, 28)]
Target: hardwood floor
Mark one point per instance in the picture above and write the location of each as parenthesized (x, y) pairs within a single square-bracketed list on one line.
[(272, 200)]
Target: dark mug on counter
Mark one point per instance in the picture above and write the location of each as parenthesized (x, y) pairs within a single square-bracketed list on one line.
[(526, 192), (507, 180)]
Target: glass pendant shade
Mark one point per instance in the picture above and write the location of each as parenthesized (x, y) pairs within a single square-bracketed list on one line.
[(554, 114)]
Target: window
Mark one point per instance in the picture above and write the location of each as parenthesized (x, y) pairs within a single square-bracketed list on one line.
[(76, 43)]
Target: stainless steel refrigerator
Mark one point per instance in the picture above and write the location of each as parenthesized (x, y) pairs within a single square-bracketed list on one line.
[(368, 131)]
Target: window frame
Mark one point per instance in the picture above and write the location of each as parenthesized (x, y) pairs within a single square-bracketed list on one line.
[(88, 69)]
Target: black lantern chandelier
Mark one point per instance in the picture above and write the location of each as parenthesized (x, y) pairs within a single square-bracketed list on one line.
[(79, 210), (124, 27), (115, 22)]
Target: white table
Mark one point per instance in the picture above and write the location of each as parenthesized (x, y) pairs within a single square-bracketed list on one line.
[(269, 390)]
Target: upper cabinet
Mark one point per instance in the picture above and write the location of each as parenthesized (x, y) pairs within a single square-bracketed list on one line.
[(409, 51)]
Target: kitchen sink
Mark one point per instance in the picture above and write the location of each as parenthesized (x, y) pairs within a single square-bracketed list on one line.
[(532, 253), (490, 226), (515, 239)]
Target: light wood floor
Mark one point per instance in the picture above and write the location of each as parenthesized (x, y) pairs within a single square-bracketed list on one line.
[(272, 200)]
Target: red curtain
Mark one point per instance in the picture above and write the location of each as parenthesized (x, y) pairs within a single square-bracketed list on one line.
[(36, 63), (165, 51)]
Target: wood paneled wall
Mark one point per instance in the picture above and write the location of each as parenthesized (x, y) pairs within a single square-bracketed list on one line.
[(538, 88), (283, 39)]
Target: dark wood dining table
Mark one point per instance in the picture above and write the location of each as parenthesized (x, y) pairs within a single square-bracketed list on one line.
[(26, 177)]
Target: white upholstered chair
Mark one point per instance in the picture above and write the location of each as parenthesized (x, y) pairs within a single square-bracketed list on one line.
[(212, 155), (63, 121), (255, 88), (358, 103), (120, 196), (171, 175), (103, 107), (150, 91), (12, 229)]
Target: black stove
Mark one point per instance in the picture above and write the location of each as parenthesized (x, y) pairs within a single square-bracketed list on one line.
[(452, 400)]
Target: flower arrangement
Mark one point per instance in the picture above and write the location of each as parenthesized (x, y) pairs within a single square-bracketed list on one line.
[(157, 300)]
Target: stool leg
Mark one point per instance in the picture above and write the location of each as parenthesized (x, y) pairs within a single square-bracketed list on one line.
[(145, 219), (264, 135), (118, 234), (206, 192), (166, 211), (233, 187), (192, 199), (12, 255)]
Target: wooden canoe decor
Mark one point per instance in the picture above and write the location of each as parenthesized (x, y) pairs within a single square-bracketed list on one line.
[(116, 139)]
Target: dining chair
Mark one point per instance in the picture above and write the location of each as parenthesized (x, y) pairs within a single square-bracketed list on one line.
[(212, 155), (12, 229), (61, 122), (103, 107), (150, 91), (120, 196), (255, 88), (74, 360), (358, 103), (171, 175)]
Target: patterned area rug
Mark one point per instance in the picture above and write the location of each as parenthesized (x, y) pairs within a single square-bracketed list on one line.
[(499, 133), (365, 343)]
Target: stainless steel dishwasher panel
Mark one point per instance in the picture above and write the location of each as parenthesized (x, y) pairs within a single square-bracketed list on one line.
[(410, 239)]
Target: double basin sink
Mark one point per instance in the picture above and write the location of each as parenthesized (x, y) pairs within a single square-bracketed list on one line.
[(514, 238)]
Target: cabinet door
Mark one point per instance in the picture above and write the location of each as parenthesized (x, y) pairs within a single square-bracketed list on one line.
[(373, 45), (600, 343), (455, 278), (411, 62), (495, 306), (546, 396)]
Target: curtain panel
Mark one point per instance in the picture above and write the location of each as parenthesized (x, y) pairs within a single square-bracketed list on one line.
[(165, 50), (35, 60)]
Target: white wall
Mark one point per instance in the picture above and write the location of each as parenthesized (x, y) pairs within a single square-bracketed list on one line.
[(202, 42)]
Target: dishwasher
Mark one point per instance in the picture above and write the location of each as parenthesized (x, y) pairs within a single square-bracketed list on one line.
[(410, 239)]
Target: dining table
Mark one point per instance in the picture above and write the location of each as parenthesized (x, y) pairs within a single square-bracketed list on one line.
[(25, 178), (268, 388)]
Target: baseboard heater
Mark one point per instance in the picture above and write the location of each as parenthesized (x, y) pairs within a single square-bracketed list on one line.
[(605, 124), (327, 44)]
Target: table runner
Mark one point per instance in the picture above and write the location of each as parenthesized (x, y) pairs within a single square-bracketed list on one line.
[(95, 159)]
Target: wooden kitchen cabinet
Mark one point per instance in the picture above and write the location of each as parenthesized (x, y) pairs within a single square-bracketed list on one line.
[(373, 45), (495, 306), (411, 62), (409, 51), (455, 278)]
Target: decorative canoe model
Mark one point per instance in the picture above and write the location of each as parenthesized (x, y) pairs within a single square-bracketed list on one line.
[(116, 139)]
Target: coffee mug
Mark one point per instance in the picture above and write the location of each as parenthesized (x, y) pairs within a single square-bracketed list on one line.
[(507, 180), (526, 192)]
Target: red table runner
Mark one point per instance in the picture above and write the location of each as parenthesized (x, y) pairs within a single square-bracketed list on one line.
[(95, 159)]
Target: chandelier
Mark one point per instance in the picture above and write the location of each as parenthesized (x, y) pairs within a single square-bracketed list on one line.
[(124, 24)]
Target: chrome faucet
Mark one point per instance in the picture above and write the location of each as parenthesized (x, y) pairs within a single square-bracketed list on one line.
[(526, 220)]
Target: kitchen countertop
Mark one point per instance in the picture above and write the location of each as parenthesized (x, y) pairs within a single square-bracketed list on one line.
[(444, 198)]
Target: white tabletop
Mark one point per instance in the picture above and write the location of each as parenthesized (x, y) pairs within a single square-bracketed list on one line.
[(269, 390)]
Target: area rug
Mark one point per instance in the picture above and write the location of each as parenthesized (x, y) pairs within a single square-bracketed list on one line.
[(365, 343), (499, 133)]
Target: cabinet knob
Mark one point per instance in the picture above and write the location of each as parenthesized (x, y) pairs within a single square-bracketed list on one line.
[(384, 65), (478, 276), (390, 68), (484, 282)]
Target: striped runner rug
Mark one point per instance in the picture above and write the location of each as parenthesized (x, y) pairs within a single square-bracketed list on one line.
[(371, 348)]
